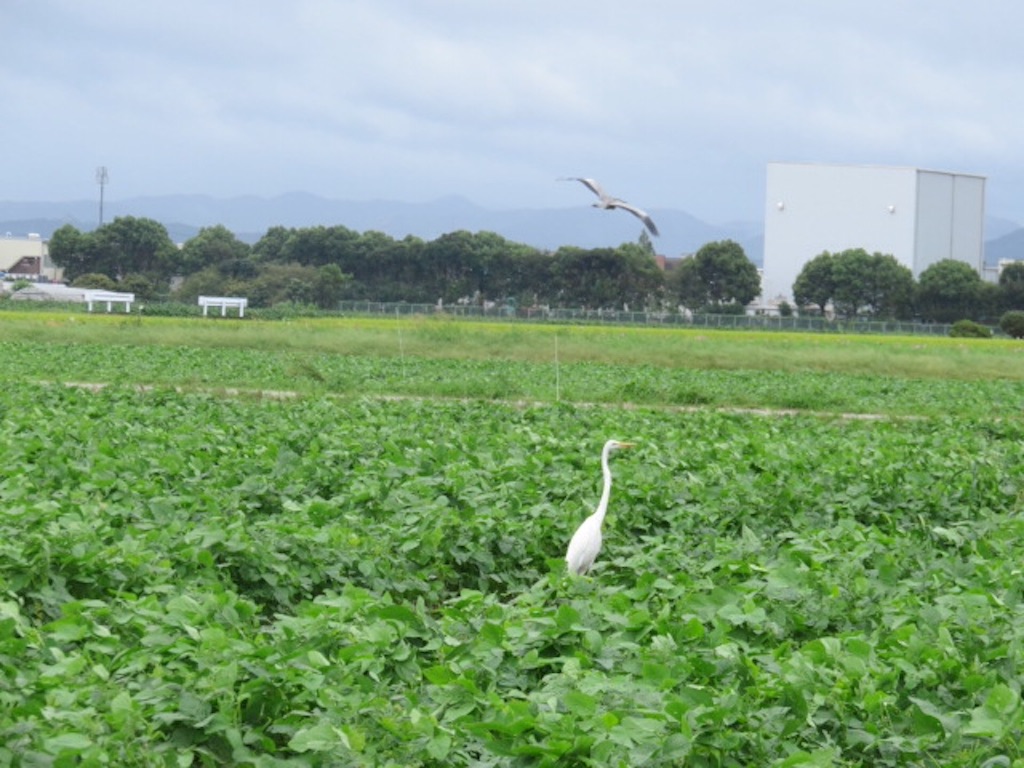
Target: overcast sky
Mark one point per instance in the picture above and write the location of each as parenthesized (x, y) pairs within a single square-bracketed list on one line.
[(669, 103)]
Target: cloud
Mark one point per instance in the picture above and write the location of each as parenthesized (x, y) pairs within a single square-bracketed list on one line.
[(676, 103)]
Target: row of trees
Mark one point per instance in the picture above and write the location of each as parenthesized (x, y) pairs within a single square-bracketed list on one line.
[(322, 265), (854, 283)]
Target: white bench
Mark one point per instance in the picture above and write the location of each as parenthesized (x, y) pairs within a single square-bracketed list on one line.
[(237, 302), (110, 297)]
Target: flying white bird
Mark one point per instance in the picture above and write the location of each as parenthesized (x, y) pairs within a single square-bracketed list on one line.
[(608, 202), (586, 542)]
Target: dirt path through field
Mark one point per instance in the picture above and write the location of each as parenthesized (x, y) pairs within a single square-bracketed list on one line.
[(280, 394)]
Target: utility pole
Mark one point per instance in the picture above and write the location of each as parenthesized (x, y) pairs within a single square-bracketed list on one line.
[(102, 178)]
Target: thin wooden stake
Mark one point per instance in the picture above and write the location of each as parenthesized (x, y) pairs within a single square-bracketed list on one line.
[(558, 374), (401, 344)]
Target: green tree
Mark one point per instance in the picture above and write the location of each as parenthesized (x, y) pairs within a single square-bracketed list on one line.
[(643, 283), (729, 275), (65, 249), (948, 291), (329, 286), (530, 279), (140, 285), (94, 280), (125, 245), (991, 302), (270, 247), (889, 288), (130, 244), (239, 269), (316, 246), (645, 243), (587, 278), (75, 252), (718, 275), (497, 268), (603, 278), (876, 285), (851, 272), (816, 283), (206, 282), (448, 265), (1012, 323), (1011, 285), (375, 263), (683, 284), (856, 283), (211, 247), (277, 283)]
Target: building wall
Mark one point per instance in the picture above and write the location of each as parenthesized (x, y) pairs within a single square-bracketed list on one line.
[(919, 217), (27, 251), (950, 219)]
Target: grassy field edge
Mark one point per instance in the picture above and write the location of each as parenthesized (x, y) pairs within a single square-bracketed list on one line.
[(446, 338)]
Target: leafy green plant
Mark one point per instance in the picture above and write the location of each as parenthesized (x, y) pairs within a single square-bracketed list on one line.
[(191, 578), (968, 329), (267, 373), (1012, 323), (95, 280)]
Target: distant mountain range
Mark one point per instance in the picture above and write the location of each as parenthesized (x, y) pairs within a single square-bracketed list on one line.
[(1007, 246), (249, 217)]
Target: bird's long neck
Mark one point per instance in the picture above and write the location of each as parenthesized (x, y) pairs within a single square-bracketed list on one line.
[(606, 494)]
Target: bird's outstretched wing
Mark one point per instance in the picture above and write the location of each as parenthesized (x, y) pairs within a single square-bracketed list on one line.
[(590, 184), (607, 201), (642, 215)]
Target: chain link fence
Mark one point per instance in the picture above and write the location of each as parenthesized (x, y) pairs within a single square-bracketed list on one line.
[(625, 317)]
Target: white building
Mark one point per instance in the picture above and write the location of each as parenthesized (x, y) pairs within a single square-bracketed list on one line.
[(919, 217)]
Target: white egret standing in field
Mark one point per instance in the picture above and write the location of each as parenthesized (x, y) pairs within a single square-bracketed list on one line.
[(607, 202), (586, 542)]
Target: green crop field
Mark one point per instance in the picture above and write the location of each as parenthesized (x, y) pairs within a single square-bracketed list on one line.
[(341, 544)]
